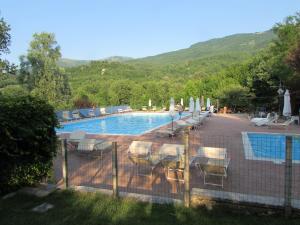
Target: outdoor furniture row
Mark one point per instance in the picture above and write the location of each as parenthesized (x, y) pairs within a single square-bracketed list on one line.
[(210, 161), (89, 113)]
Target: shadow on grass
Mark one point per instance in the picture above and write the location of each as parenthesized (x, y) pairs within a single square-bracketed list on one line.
[(94, 208)]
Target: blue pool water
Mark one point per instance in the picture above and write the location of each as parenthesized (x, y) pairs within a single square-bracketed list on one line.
[(123, 124), (272, 146)]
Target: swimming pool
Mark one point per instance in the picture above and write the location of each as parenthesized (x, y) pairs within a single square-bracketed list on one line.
[(121, 124), (269, 146)]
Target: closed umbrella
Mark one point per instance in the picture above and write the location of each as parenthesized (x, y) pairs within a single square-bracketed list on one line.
[(287, 104), (191, 105), (198, 109), (172, 110), (202, 101), (181, 101), (150, 103), (207, 103)]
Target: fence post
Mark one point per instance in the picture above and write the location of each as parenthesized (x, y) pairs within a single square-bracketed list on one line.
[(187, 193), (64, 153), (288, 176), (115, 169)]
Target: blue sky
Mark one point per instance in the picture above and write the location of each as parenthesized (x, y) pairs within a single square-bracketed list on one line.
[(136, 28)]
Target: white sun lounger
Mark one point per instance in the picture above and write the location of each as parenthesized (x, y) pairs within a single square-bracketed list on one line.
[(96, 147), (139, 153), (285, 124)]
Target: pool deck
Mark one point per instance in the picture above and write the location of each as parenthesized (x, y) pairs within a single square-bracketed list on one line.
[(251, 179)]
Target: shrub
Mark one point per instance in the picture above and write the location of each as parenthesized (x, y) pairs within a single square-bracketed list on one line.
[(83, 102), (28, 140)]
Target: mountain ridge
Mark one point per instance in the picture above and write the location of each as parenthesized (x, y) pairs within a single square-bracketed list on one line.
[(244, 43)]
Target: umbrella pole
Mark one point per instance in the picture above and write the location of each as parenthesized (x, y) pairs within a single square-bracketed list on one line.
[(172, 124)]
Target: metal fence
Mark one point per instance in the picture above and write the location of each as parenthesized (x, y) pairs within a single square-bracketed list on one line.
[(245, 169)]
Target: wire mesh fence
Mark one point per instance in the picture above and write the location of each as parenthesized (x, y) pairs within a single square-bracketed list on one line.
[(245, 167)]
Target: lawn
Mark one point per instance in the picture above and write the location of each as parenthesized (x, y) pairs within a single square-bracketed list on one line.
[(94, 208)]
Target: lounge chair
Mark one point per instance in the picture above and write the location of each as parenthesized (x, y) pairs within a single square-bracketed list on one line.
[(127, 109), (91, 113), (77, 135), (139, 153), (94, 147), (212, 152), (212, 161), (76, 115), (215, 168), (66, 116), (120, 111), (144, 108), (104, 112), (182, 123), (285, 124), (258, 119), (154, 108), (172, 158), (74, 139)]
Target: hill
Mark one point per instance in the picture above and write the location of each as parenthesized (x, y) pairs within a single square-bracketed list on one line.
[(248, 43), (67, 63)]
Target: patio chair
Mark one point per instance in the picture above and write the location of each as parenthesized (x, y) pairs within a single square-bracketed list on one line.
[(139, 153), (172, 159), (94, 147), (214, 168), (66, 116), (285, 124), (144, 108)]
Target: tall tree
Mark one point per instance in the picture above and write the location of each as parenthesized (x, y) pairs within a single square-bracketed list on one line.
[(40, 72)]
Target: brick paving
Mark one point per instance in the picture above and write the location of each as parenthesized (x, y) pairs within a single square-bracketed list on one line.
[(253, 177)]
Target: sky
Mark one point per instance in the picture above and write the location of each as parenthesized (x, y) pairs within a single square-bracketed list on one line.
[(95, 29)]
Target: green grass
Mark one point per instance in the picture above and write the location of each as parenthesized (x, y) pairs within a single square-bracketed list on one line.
[(94, 208)]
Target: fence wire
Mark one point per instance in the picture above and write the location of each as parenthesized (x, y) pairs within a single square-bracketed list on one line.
[(245, 167)]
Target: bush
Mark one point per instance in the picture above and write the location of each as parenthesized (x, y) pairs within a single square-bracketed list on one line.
[(28, 140)]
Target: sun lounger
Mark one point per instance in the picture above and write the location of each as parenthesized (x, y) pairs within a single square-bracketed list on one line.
[(127, 109), (214, 168), (172, 158), (212, 161), (182, 123), (94, 147), (104, 112), (212, 152), (285, 124), (77, 135), (144, 108), (139, 153), (76, 115), (91, 113), (66, 116), (258, 119)]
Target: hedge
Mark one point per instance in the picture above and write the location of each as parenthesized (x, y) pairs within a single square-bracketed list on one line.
[(27, 141)]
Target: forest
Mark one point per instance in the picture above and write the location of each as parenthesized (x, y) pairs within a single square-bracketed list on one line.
[(240, 77)]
